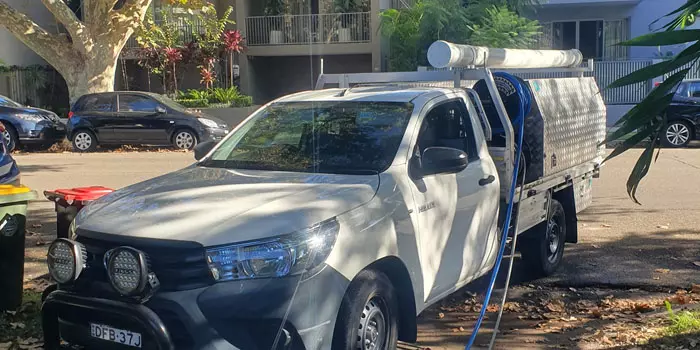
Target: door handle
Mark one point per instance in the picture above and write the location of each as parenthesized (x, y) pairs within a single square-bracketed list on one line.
[(139, 125), (487, 180)]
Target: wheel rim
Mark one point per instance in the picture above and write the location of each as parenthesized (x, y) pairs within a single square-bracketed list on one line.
[(553, 233), (373, 326), (83, 141), (7, 137), (184, 140), (677, 134)]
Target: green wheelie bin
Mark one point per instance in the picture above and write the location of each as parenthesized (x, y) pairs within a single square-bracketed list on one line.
[(13, 217)]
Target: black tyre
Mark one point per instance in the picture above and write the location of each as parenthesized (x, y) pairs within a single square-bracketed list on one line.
[(84, 141), (368, 317), (184, 139), (10, 137), (543, 248), (677, 134)]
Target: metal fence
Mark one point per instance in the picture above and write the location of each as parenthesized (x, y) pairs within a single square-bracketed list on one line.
[(190, 29), (329, 28), (23, 85)]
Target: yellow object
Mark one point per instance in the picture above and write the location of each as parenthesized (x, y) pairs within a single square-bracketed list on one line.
[(7, 190)]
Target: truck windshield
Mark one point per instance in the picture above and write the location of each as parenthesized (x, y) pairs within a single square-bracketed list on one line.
[(320, 137)]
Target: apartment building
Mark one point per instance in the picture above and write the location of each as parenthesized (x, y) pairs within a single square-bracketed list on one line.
[(595, 26)]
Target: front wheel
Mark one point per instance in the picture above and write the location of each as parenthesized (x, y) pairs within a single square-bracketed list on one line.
[(184, 139), (368, 317), (676, 134), (543, 249), (10, 138)]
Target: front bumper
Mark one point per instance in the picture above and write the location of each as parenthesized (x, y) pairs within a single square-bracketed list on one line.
[(213, 134), (45, 134), (247, 315)]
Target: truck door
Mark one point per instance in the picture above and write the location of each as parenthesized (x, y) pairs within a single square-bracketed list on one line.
[(455, 212)]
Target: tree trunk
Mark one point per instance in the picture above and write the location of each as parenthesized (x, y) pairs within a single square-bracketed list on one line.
[(92, 76)]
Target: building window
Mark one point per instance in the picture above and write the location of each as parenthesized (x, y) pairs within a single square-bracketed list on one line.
[(595, 38)]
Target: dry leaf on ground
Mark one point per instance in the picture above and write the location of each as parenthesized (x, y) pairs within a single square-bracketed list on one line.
[(441, 315), (662, 270)]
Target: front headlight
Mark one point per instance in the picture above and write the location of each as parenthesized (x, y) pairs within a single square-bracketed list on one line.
[(286, 255), (30, 117), (127, 270), (66, 260), (208, 123)]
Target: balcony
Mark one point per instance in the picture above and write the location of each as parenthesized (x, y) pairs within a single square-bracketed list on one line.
[(289, 30), (189, 29)]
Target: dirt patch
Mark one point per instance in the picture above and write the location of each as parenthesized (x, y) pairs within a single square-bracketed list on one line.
[(566, 318)]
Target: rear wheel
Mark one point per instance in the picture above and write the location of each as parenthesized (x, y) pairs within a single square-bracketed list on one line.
[(543, 248), (184, 139), (676, 134), (368, 317), (84, 141)]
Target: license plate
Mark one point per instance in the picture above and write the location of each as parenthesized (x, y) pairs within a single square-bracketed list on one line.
[(60, 128), (115, 335)]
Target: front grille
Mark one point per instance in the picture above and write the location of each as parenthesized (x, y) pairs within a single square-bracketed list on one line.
[(177, 268)]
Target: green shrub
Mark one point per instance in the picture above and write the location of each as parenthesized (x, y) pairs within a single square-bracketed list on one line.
[(193, 102), (242, 101), (221, 95), (193, 94)]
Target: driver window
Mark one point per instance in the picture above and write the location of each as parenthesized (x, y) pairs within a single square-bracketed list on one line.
[(447, 125), (136, 103)]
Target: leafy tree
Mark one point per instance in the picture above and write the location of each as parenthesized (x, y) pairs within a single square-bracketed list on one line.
[(488, 22), (645, 121), (501, 27), (86, 55)]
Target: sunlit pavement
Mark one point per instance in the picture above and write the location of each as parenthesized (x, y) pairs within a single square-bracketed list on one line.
[(621, 244)]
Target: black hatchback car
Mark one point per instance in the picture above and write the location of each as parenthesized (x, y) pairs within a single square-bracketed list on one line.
[(683, 115), (138, 118)]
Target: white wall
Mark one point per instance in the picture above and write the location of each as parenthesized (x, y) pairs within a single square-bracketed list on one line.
[(640, 12), (13, 51), (646, 12)]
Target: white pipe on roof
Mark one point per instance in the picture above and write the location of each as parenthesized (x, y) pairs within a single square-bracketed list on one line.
[(443, 54)]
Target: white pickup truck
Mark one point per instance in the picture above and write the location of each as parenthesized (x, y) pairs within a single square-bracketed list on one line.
[(329, 218)]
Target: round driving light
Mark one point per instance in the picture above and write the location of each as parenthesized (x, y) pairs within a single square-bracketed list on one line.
[(66, 260), (127, 270)]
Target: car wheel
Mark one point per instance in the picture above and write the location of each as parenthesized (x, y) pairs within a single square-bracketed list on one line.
[(676, 134), (10, 138), (84, 141), (368, 317), (184, 139), (543, 249)]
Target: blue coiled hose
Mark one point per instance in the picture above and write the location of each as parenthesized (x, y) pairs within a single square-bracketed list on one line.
[(518, 122)]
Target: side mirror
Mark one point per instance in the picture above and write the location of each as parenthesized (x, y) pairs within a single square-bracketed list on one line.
[(203, 149), (161, 110), (443, 160)]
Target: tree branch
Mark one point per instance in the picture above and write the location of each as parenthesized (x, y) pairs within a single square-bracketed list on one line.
[(96, 11), (67, 17), (128, 18), (55, 49)]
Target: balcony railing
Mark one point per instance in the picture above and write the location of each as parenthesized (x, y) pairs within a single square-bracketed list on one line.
[(189, 29), (328, 28)]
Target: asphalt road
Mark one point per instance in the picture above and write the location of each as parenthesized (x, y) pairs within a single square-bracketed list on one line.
[(620, 243)]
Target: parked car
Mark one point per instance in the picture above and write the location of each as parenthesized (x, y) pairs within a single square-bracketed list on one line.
[(327, 220), (138, 118), (9, 172), (683, 116), (28, 125)]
